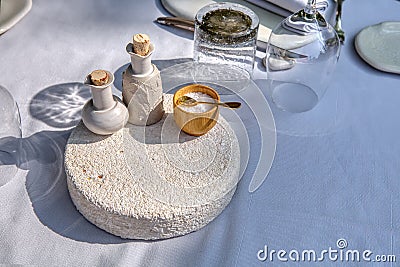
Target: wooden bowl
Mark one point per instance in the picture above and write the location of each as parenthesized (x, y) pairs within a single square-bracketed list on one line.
[(196, 123)]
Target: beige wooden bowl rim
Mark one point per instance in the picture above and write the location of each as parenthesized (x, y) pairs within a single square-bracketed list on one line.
[(192, 88)]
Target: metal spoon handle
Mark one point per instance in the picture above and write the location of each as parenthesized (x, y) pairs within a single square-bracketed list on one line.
[(225, 104)]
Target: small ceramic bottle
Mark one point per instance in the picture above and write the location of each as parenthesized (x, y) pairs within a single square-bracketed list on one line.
[(142, 88), (105, 113)]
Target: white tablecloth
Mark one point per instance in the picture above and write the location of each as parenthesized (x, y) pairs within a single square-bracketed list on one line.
[(336, 172)]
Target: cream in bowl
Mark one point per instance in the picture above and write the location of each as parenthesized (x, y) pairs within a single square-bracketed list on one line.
[(196, 119)]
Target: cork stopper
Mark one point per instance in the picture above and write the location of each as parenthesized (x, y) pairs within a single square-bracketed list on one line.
[(99, 77), (141, 44)]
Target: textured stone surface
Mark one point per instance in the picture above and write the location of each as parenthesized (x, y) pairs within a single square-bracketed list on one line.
[(152, 182)]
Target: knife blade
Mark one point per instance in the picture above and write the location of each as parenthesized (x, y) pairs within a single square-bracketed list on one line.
[(177, 22)]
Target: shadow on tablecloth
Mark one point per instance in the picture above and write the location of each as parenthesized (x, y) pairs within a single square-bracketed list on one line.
[(60, 105), (42, 155)]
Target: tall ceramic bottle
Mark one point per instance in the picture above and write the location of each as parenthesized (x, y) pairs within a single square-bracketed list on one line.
[(141, 83)]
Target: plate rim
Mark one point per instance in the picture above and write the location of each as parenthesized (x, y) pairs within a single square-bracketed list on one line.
[(371, 60), (17, 16)]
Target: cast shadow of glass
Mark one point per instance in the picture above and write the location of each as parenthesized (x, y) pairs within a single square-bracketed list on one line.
[(60, 105), (41, 154)]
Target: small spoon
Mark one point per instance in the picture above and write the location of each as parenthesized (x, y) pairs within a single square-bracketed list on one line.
[(188, 101)]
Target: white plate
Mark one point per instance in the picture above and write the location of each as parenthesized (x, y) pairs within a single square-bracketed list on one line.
[(188, 9), (378, 45), (12, 11), (255, 116)]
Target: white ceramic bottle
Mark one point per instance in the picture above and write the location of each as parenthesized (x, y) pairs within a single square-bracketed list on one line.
[(142, 89), (105, 113)]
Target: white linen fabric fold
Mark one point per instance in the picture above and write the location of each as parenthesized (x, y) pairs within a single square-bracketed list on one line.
[(287, 7)]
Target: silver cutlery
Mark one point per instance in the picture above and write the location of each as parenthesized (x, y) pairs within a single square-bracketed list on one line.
[(177, 22), (189, 25)]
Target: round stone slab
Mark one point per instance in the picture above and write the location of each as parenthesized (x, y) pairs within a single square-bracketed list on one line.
[(152, 182)]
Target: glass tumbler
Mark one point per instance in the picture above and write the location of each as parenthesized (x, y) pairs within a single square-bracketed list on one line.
[(226, 33), (302, 53)]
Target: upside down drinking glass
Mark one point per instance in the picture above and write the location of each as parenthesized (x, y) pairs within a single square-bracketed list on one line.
[(302, 53)]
